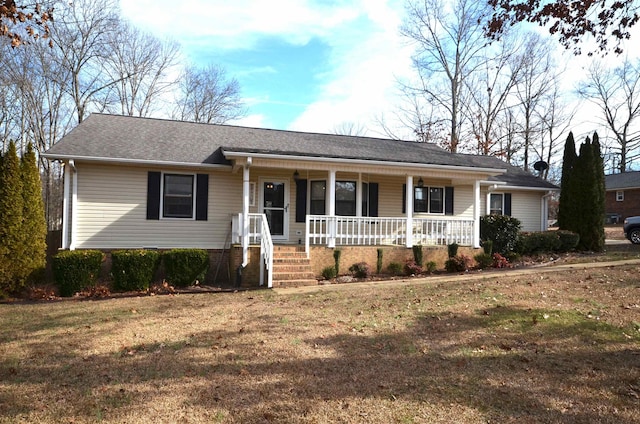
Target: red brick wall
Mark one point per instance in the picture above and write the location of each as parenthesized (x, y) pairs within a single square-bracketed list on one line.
[(630, 206)]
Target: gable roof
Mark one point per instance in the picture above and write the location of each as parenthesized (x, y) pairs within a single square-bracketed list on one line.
[(148, 140), (622, 180)]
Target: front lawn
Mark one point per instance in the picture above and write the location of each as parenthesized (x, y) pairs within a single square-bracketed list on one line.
[(553, 347)]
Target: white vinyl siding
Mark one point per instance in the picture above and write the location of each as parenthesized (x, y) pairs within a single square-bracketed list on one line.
[(112, 211), (526, 206)]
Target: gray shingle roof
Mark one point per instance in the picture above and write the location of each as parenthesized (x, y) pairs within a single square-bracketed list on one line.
[(113, 137), (623, 180)]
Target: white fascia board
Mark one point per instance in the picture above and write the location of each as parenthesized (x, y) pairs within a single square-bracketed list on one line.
[(525, 188), (133, 161), (490, 171)]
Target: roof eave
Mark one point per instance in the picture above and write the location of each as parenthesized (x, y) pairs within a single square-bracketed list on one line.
[(127, 161), (230, 154)]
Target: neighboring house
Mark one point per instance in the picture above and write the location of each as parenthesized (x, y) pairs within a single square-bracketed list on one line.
[(151, 183), (623, 196)]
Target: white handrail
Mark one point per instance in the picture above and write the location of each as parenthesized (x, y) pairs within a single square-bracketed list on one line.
[(259, 233), (373, 231)]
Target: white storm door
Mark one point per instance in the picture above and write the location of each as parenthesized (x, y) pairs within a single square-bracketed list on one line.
[(274, 203)]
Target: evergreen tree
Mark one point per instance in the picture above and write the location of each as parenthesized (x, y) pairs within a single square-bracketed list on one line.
[(11, 209), (34, 223), (566, 208), (599, 194), (585, 193)]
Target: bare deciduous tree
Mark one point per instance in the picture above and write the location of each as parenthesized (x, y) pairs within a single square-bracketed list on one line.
[(449, 39), (207, 96), (616, 92), (141, 66)]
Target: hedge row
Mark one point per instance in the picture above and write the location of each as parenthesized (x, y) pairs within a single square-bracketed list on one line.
[(131, 269)]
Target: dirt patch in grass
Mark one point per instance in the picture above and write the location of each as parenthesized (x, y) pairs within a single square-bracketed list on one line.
[(547, 347)]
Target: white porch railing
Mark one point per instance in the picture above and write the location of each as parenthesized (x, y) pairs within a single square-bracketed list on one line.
[(350, 230), (259, 233)]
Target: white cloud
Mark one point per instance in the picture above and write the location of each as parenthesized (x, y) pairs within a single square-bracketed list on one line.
[(366, 51), (240, 23), (366, 64)]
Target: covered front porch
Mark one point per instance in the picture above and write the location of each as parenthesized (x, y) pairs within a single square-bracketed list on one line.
[(306, 203)]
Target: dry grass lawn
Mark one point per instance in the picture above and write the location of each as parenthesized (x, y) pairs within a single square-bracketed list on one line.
[(550, 347)]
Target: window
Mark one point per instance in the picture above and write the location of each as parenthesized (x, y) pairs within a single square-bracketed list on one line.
[(428, 200), (318, 197), (177, 196), (346, 198), (500, 204), (619, 196)]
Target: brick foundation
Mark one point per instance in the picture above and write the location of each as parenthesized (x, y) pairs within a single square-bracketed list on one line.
[(322, 257)]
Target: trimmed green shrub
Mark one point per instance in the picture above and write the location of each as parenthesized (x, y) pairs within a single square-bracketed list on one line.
[(484, 260), (184, 267), (412, 268), (458, 263), (430, 267), (568, 240), (12, 236), (502, 230), (379, 261), (336, 259), (417, 254), (394, 268), (487, 246), (538, 242), (452, 250), (75, 270), (360, 270), (329, 272), (134, 269)]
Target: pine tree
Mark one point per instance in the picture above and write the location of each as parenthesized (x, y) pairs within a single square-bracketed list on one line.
[(566, 208), (599, 195), (11, 209), (34, 223)]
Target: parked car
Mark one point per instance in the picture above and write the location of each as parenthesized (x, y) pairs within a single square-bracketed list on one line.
[(632, 229)]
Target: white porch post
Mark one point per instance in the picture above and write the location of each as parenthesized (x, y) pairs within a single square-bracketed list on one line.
[(65, 207), (359, 195), (409, 208), (331, 241), (74, 205), (476, 214), (245, 213)]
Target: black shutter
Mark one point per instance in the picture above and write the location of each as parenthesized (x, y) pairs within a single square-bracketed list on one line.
[(404, 198), (202, 196), (153, 195), (373, 199), (301, 200), (507, 204), (448, 200)]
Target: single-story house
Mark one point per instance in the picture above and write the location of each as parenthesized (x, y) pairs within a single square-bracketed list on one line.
[(622, 196), (247, 194)]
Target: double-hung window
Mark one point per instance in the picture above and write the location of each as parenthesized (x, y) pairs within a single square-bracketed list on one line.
[(500, 204), (177, 196), (346, 198), (318, 197), (428, 200)]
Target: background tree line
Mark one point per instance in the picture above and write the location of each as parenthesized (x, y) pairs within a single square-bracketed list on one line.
[(94, 61), (484, 86)]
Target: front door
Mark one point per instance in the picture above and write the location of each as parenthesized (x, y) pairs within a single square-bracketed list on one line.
[(275, 205)]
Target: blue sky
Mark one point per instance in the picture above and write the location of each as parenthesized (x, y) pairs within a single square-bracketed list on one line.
[(302, 65)]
